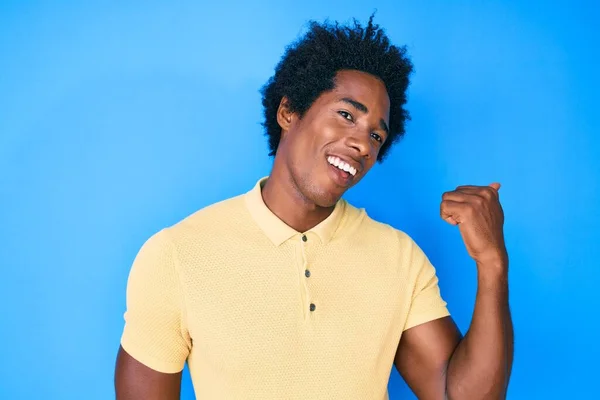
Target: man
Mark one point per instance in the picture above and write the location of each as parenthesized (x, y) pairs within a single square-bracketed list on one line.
[(288, 291)]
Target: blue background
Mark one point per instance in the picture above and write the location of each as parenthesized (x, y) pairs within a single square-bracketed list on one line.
[(119, 119)]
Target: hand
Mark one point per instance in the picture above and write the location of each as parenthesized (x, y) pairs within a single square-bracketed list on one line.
[(479, 216)]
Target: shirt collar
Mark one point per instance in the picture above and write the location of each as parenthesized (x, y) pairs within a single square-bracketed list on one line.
[(277, 230)]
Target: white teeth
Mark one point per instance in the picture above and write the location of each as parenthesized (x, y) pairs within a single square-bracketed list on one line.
[(344, 166)]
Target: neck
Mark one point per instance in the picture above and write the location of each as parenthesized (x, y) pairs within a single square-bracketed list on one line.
[(282, 196)]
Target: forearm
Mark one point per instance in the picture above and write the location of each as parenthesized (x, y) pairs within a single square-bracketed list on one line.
[(480, 366)]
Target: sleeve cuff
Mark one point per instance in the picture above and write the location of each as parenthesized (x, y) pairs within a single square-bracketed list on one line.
[(148, 360), (426, 316)]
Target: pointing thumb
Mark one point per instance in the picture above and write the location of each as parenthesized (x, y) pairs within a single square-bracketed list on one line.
[(495, 185)]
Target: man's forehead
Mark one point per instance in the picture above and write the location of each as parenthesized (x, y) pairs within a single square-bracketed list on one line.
[(365, 94)]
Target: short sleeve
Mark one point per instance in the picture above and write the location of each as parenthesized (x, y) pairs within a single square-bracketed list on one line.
[(155, 331), (426, 302)]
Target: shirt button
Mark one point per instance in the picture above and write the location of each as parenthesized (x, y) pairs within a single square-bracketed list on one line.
[(304, 238), (307, 273), (312, 307)]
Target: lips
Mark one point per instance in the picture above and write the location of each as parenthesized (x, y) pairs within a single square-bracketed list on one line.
[(348, 164), (339, 177), (342, 165), (343, 170)]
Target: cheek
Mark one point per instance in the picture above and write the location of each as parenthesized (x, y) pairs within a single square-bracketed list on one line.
[(320, 135), (305, 148), (332, 126), (370, 163), (375, 153)]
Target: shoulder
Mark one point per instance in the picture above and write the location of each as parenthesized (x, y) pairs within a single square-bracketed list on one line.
[(371, 229), (392, 243), (202, 223), (209, 220)]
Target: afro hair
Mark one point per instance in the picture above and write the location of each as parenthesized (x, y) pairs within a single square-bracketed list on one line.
[(308, 68)]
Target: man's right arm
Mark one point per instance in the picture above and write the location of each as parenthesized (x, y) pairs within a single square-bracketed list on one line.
[(155, 342), (135, 381)]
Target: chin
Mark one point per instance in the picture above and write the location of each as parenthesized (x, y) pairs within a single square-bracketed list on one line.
[(326, 201), (320, 190), (324, 196)]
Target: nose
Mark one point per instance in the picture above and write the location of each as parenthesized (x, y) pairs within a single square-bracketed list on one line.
[(360, 144)]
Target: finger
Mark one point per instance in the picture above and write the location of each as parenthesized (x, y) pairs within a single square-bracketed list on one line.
[(486, 192), (454, 196), (473, 196), (495, 186), (452, 211)]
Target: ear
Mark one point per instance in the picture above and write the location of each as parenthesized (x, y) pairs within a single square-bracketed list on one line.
[(284, 116)]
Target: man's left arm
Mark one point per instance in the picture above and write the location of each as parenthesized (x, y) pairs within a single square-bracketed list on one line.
[(433, 358)]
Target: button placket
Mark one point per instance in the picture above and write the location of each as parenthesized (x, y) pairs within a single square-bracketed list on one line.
[(308, 304)]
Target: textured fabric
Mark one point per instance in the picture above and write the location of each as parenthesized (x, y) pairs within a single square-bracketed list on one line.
[(260, 311)]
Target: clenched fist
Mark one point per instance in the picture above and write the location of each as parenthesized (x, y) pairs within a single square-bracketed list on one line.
[(479, 216)]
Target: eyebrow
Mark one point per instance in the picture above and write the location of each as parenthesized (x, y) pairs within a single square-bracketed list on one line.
[(362, 108)]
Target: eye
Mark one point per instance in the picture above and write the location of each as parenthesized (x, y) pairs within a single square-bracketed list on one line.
[(376, 137), (346, 115)]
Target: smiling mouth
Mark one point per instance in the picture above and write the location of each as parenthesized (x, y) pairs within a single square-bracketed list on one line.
[(342, 165)]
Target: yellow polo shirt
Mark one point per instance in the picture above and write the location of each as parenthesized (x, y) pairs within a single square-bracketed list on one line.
[(261, 311)]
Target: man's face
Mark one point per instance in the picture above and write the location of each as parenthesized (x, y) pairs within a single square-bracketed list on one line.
[(338, 139)]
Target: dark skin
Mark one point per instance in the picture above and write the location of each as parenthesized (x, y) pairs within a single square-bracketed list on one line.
[(135, 381), (436, 361), (300, 190)]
